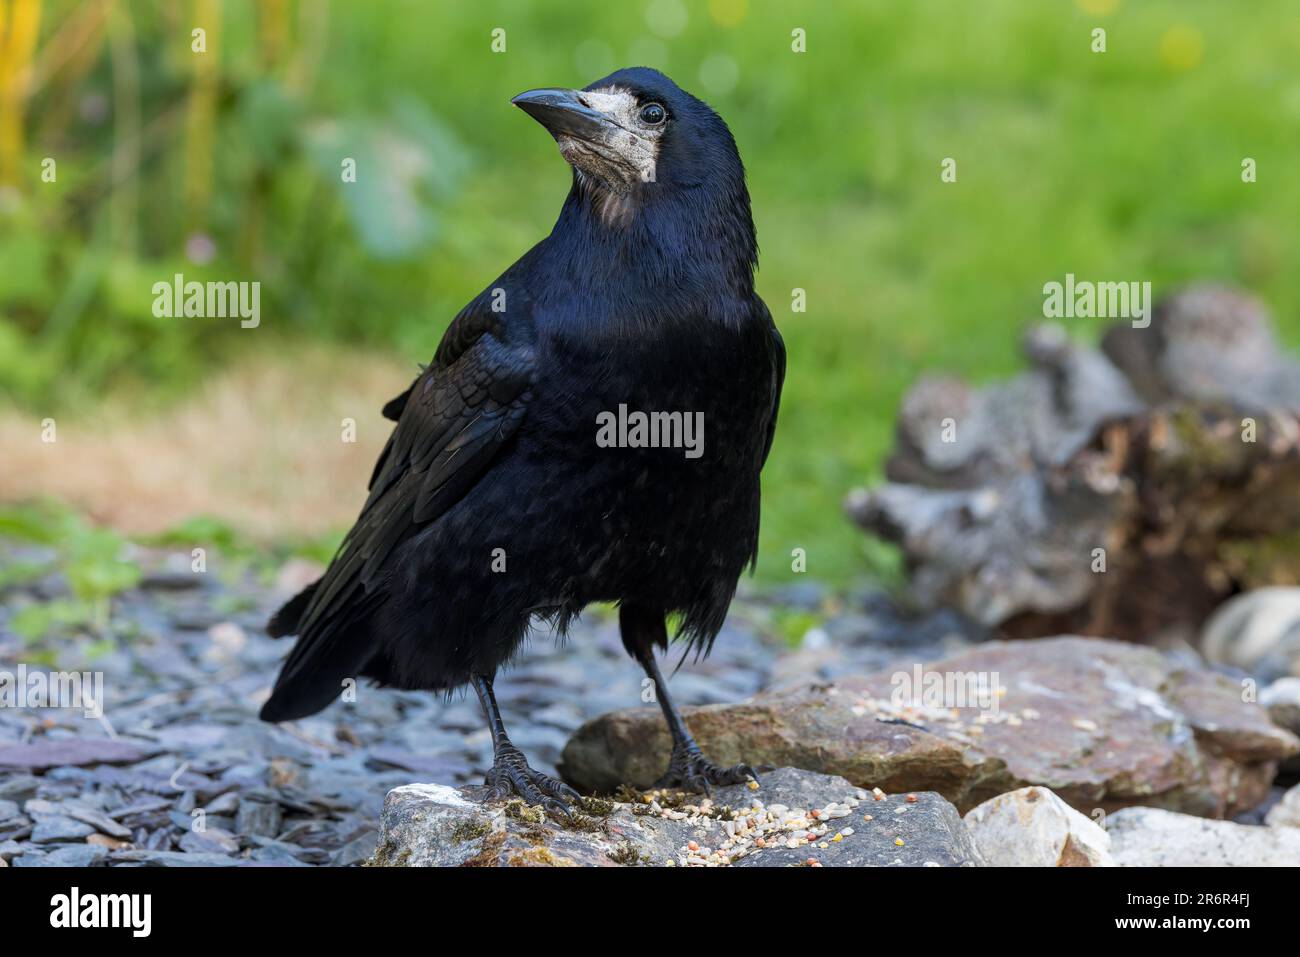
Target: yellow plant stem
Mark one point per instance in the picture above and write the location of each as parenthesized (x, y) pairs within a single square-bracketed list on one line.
[(19, 25)]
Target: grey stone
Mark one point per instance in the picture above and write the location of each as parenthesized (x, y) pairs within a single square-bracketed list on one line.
[(15, 829), (51, 753), (71, 855), (1286, 812), (19, 787), (171, 859), (209, 841), (268, 849), (173, 578), (58, 827), (357, 851), (1282, 701), (1032, 827), (38, 806), (97, 819), (262, 818), (159, 839), (227, 803), (1151, 837), (283, 855), (1259, 632), (144, 808), (434, 765), (436, 825)]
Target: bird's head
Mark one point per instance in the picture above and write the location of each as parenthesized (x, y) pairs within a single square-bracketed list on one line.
[(636, 135)]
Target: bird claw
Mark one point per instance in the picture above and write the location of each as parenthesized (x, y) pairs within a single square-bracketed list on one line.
[(511, 776), (690, 770)]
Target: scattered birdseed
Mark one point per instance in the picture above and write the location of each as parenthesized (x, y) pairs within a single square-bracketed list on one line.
[(744, 831)]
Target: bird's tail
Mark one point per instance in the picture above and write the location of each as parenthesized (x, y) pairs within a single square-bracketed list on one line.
[(285, 621), (330, 649)]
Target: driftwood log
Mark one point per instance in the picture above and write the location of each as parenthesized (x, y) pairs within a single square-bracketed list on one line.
[(1118, 492)]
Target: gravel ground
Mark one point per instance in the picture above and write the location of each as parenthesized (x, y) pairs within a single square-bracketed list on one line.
[(179, 770)]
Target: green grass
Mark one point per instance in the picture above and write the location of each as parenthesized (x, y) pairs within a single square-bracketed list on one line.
[(93, 560), (1123, 165)]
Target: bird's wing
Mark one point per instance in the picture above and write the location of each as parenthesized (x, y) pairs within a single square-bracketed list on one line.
[(451, 422), (393, 407), (778, 380)]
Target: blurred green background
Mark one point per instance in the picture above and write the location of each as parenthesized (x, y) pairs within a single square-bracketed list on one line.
[(226, 165)]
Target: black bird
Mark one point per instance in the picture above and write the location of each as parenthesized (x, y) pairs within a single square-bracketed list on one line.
[(495, 502)]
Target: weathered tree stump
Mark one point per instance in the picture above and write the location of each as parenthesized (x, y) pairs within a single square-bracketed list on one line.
[(1116, 492)]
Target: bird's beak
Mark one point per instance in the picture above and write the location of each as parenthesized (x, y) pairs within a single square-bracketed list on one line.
[(563, 113), (594, 134)]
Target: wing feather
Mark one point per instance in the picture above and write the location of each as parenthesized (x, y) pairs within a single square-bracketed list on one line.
[(451, 422)]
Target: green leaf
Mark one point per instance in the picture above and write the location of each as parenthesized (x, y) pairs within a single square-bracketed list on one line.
[(37, 621), (18, 573)]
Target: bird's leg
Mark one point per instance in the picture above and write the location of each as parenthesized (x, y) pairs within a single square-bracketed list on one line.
[(510, 774), (688, 768)]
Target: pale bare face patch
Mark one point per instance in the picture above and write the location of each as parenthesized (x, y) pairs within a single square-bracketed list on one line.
[(626, 152)]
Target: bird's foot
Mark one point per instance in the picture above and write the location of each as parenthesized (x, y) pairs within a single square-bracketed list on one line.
[(690, 770), (511, 776)]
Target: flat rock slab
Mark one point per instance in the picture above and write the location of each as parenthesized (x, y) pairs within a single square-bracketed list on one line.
[(72, 751), (1149, 837), (1103, 724), (795, 818)]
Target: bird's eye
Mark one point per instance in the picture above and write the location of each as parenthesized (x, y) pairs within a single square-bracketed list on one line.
[(652, 114)]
